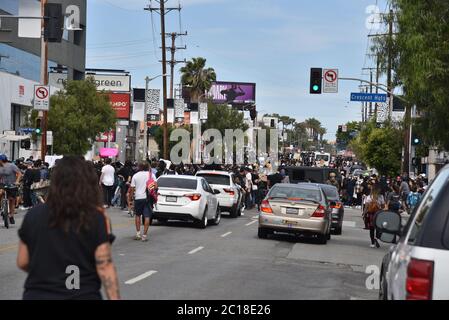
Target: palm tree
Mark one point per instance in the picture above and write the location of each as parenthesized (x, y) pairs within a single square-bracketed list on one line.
[(197, 77)]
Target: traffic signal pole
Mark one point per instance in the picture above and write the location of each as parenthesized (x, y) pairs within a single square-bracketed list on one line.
[(44, 80)]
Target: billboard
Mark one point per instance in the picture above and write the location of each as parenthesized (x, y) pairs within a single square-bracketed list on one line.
[(233, 92), (120, 102)]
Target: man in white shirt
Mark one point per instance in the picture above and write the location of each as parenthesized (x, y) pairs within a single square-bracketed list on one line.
[(107, 179), (142, 206)]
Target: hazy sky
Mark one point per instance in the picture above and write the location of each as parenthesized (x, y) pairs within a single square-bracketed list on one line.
[(273, 43)]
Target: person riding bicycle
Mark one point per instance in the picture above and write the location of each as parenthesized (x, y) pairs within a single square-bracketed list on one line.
[(10, 175)]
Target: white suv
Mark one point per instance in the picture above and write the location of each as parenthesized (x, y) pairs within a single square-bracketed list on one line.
[(230, 196), (417, 268)]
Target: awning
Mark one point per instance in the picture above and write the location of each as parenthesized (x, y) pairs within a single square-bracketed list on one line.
[(108, 152), (13, 138)]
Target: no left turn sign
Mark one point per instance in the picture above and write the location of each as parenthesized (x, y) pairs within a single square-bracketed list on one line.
[(330, 81), (41, 97)]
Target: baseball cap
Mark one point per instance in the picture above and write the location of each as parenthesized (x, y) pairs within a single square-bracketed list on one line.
[(3, 157)]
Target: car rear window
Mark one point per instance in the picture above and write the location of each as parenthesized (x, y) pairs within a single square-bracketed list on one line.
[(216, 179), (177, 183), (331, 193), (295, 192)]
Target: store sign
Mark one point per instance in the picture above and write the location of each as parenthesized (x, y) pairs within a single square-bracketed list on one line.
[(57, 80), (120, 102), (115, 83), (103, 137), (179, 110)]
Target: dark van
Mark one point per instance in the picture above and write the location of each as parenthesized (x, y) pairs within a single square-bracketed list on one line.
[(310, 174)]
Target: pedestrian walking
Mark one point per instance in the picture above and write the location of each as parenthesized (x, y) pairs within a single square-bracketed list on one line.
[(143, 183), (373, 204), (107, 180), (65, 244)]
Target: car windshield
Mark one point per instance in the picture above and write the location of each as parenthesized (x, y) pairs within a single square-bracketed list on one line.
[(331, 193), (216, 178), (295, 193), (322, 157), (177, 183)]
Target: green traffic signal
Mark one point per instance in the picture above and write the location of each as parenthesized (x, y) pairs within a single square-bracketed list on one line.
[(316, 88), (38, 131)]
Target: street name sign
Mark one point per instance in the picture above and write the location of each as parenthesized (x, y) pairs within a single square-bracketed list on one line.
[(369, 97), (41, 97), (330, 81)]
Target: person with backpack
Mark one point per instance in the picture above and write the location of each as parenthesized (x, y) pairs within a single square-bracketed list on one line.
[(394, 199), (374, 203), (144, 190), (413, 199)]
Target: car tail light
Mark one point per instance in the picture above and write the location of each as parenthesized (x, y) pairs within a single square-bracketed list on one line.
[(320, 212), (336, 206), (419, 280), (265, 207), (193, 197), (229, 191)]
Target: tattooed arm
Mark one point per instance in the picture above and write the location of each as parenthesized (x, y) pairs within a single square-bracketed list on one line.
[(106, 271)]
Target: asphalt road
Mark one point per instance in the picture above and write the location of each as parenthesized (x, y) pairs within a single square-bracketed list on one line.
[(225, 262)]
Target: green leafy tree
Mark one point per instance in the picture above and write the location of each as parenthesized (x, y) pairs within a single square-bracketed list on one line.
[(222, 117), (77, 115), (346, 137), (380, 148), (199, 78), (420, 61)]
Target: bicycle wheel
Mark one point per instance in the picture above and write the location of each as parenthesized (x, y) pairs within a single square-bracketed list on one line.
[(5, 217)]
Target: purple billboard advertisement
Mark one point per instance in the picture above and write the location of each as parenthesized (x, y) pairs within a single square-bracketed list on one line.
[(233, 92)]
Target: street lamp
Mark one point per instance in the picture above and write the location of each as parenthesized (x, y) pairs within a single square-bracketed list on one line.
[(147, 82)]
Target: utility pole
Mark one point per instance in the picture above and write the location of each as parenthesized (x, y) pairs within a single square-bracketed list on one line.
[(390, 63), (371, 90), (162, 12), (44, 80), (173, 61)]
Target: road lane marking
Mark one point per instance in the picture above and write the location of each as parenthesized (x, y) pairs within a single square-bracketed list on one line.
[(141, 277), (350, 224), (250, 223), (8, 248), (196, 250), (226, 234)]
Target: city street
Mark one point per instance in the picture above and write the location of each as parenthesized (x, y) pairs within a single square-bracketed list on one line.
[(225, 262)]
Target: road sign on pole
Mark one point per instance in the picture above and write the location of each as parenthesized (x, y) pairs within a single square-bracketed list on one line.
[(41, 97), (369, 97), (330, 81)]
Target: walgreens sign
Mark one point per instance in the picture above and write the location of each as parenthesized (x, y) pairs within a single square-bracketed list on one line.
[(121, 102)]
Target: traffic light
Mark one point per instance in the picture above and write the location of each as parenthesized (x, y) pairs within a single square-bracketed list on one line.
[(25, 144), (340, 129), (416, 162), (316, 80), (253, 114), (54, 22), (416, 141), (38, 127)]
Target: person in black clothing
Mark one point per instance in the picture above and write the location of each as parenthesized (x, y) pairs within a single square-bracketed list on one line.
[(28, 179), (274, 179), (125, 173), (65, 244)]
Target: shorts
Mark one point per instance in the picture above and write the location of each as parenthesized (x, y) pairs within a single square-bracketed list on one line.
[(142, 207), (12, 193)]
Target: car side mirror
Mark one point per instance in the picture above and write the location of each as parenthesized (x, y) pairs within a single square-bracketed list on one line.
[(215, 191), (333, 204), (388, 225)]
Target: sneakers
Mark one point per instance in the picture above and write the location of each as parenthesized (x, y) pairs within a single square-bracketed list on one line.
[(372, 246), (144, 238), (138, 236), (11, 220)]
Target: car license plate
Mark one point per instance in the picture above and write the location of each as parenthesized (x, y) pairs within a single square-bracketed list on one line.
[(171, 199), (291, 211), (290, 224)]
